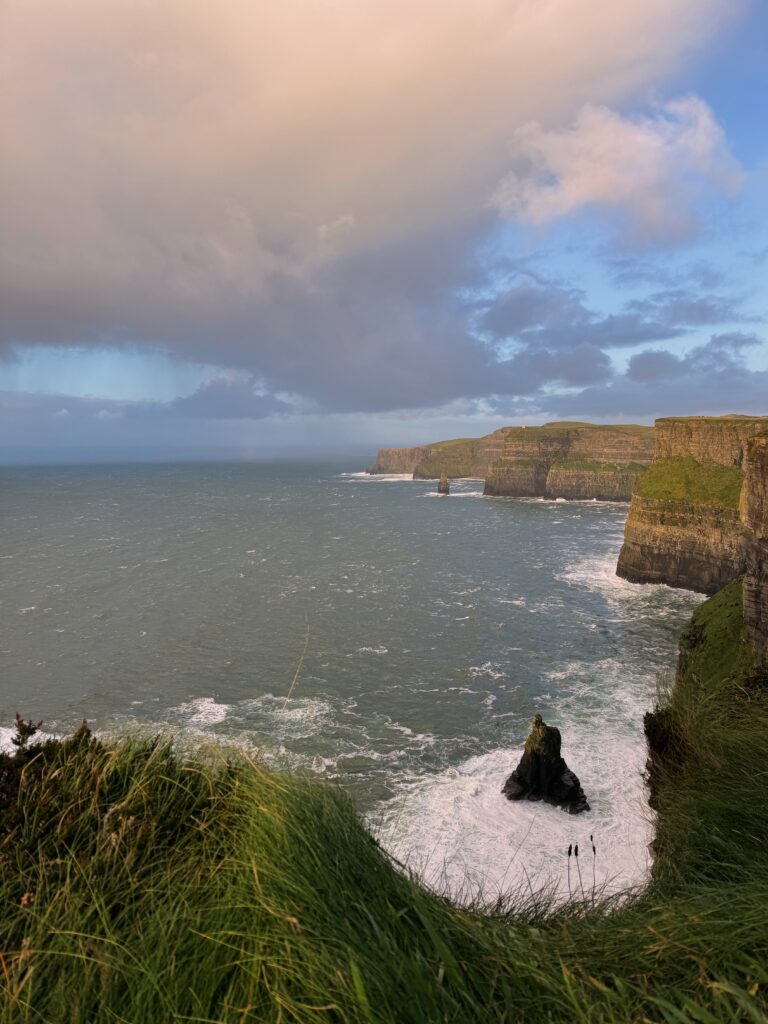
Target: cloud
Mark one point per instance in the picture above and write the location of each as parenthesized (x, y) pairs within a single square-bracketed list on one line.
[(631, 270), (710, 379), (555, 317), (685, 308), (295, 192), (645, 172), (229, 398), (654, 364)]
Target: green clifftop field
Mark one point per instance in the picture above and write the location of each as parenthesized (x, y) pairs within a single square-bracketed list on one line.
[(686, 480), (141, 884)]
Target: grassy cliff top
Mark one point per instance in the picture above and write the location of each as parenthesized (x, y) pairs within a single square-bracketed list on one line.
[(595, 466), (698, 483), (715, 645), (631, 429), (141, 884), (452, 442), (714, 738), (730, 418)]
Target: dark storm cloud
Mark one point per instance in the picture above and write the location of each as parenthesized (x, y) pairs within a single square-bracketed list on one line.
[(554, 317), (711, 378), (300, 207), (654, 364), (229, 398)]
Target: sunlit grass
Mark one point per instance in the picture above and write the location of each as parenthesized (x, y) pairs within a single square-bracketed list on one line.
[(141, 884)]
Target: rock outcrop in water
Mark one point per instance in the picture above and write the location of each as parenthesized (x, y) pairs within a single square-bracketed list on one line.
[(556, 460), (444, 486), (695, 518), (542, 774)]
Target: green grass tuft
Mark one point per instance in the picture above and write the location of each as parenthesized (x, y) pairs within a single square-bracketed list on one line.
[(141, 884), (595, 466), (698, 483)]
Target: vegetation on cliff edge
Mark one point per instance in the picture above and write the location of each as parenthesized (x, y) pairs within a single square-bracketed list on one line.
[(140, 884), (697, 483)]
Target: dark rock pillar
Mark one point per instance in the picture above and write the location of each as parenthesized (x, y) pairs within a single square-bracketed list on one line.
[(542, 774)]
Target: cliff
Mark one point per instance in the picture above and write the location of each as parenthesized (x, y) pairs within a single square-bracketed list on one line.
[(696, 516), (754, 518), (556, 460), (461, 457), (399, 460), (571, 460)]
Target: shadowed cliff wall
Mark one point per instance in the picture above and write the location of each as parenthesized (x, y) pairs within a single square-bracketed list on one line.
[(754, 517), (462, 457)]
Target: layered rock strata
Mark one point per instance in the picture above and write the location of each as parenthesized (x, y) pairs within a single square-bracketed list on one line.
[(754, 517), (571, 460), (462, 457), (556, 460), (688, 524)]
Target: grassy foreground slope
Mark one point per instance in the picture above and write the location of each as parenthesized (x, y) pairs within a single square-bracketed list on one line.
[(140, 885)]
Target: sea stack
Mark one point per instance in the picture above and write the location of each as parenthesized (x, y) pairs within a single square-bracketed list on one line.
[(443, 486), (542, 773)]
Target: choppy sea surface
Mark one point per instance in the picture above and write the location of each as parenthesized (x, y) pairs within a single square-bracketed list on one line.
[(183, 597)]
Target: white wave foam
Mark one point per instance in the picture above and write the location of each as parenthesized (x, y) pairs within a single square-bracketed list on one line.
[(7, 733), (203, 711), (454, 494), (373, 650), (380, 477), (486, 669), (599, 573), (460, 835)]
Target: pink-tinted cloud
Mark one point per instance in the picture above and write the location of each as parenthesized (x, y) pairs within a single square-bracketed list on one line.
[(647, 171), (289, 188)]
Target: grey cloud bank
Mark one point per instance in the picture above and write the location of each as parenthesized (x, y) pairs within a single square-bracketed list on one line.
[(304, 209)]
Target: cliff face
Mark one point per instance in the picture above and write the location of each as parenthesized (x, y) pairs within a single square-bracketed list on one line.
[(398, 460), (754, 517), (721, 440), (692, 519), (571, 460), (557, 460), (697, 547), (463, 457), (601, 484)]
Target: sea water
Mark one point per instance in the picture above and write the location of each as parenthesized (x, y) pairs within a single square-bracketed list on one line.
[(392, 641)]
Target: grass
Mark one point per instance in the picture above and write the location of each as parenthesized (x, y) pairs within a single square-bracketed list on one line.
[(632, 429), (139, 884), (595, 466), (698, 483), (736, 417)]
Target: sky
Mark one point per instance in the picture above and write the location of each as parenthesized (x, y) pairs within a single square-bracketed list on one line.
[(330, 225)]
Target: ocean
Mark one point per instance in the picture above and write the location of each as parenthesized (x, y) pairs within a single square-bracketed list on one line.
[(394, 642)]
